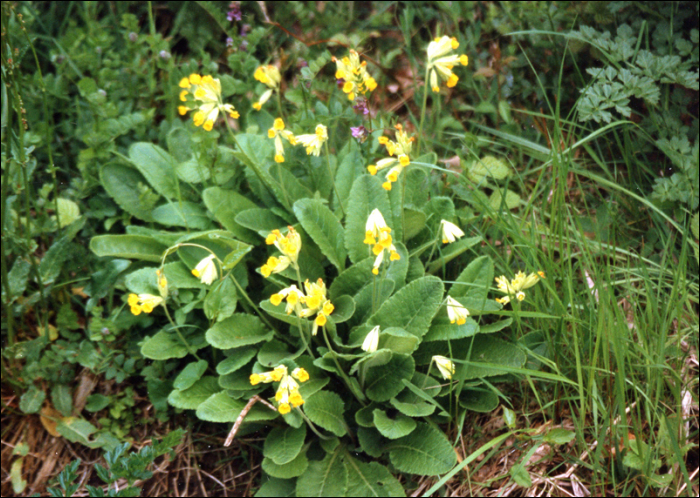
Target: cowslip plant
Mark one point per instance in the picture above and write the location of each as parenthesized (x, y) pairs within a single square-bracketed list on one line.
[(329, 343)]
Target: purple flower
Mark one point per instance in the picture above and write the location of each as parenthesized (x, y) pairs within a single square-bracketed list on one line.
[(235, 12), (229, 42), (361, 106), (360, 133)]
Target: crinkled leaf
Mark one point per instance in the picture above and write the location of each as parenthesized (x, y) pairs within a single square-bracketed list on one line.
[(239, 330), (238, 359), (366, 195), (128, 246), (164, 346), (276, 488), (283, 444), (182, 214), (31, 401), (426, 451), (288, 470), (384, 382), (478, 400), (324, 228), (329, 477), (195, 395), (221, 407), (370, 479), (226, 204), (325, 409), (157, 166), (475, 279), (190, 374), (129, 190), (393, 428)]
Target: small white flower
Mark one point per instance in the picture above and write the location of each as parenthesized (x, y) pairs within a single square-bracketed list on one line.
[(371, 341), (450, 232), (446, 367), (456, 311), (205, 270)]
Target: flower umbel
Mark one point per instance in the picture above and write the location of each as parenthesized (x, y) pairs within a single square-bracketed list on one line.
[(289, 245), (378, 235), (440, 64), (456, 311), (270, 76), (206, 94), (446, 367), (516, 286), (277, 132), (314, 142), (450, 232), (143, 302), (205, 270), (354, 75), (401, 149), (288, 391), (293, 296), (316, 302)]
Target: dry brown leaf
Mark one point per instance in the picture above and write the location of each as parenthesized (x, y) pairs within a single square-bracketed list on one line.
[(49, 417)]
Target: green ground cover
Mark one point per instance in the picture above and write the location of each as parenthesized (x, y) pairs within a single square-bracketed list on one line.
[(350, 248)]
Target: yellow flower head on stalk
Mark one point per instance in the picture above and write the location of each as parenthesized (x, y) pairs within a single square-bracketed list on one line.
[(399, 156), (203, 93), (270, 76), (378, 235), (393, 256), (143, 302), (446, 367), (289, 245), (293, 296), (355, 75), (205, 270), (440, 64), (316, 302), (314, 142), (277, 132), (288, 391), (456, 311), (515, 287), (450, 232)]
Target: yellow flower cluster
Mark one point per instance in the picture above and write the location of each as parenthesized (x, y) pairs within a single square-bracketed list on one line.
[(401, 148), (516, 286), (315, 300), (205, 270), (203, 93), (288, 391), (313, 142), (277, 132), (289, 245), (269, 76), (456, 311), (143, 302), (378, 235), (355, 75), (440, 64)]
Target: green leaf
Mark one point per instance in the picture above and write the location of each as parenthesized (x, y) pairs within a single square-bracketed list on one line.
[(325, 409), (442, 330), (221, 407), (260, 220), (521, 476), (283, 444), (279, 312), (489, 167), (16, 472), (412, 308), (559, 436), (478, 400), (184, 214), (195, 395), (288, 470), (226, 204), (512, 200), (31, 401), (190, 374), (425, 452), (370, 479), (366, 195), (68, 211), (239, 330), (157, 167), (52, 262), (253, 152), (97, 402), (329, 477), (344, 309), (495, 326), (62, 399), (475, 279), (368, 295), (352, 280), (221, 301), (276, 488), (76, 430), (324, 228), (451, 251), (238, 359), (128, 246), (163, 346), (351, 167), (371, 441), (414, 222), (415, 409), (384, 382), (129, 190), (488, 349), (393, 428), (398, 340)]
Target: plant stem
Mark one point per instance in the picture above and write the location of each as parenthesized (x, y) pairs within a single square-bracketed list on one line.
[(335, 188), (422, 114)]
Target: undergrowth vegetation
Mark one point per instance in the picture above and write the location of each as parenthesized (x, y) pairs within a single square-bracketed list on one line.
[(376, 249)]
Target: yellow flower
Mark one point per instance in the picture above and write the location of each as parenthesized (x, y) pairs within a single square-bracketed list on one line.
[(516, 286), (446, 367), (270, 76), (354, 72), (450, 232), (456, 311), (314, 142), (274, 265), (289, 244), (401, 149), (316, 302), (206, 99), (205, 270), (378, 235), (371, 341), (277, 132), (162, 283), (288, 391), (143, 302), (293, 296), (440, 64)]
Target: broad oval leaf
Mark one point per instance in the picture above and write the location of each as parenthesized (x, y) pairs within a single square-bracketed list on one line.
[(183, 214), (326, 408), (226, 204), (370, 479), (475, 280), (412, 308), (128, 246), (393, 428), (385, 381), (198, 393), (221, 407), (288, 470), (163, 346), (329, 477), (324, 228), (283, 444), (190, 374), (157, 166), (129, 190), (426, 451), (239, 330)]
